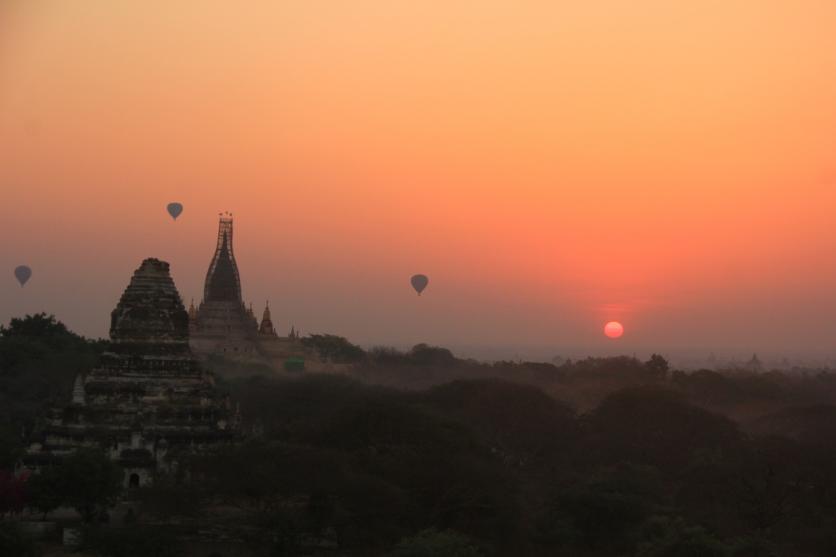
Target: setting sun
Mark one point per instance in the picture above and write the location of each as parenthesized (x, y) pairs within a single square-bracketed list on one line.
[(614, 329)]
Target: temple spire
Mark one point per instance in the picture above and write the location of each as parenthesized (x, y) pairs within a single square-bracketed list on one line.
[(266, 327), (222, 280)]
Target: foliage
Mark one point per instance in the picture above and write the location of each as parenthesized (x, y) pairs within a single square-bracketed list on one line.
[(10, 447), (89, 482), (656, 427), (334, 348), (604, 511), (136, 541), (432, 543), (674, 538), (45, 490), (12, 494), (166, 499), (425, 355), (39, 360), (13, 542), (47, 328), (658, 366), (591, 458)]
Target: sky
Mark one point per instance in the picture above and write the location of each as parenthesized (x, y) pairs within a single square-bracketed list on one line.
[(550, 165)]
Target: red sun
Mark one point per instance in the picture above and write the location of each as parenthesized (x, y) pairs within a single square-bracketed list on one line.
[(614, 329)]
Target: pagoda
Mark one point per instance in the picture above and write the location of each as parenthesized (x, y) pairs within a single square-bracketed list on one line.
[(222, 327), (222, 324), (149, 402), (266, 328)]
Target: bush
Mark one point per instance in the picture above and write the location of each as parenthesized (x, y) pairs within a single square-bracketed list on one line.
[(13, 543), (432, 543), (131, 542)]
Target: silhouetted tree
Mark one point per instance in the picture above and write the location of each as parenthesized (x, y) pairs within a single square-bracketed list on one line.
[(13, 542), (658, 367), (46, 490), (425, 355), (90, 482), (334, 348), (12, 494)]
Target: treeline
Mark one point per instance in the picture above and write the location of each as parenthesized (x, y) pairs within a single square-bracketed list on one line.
[(499, 468), (594, 458), (743, 395), (39, 360)]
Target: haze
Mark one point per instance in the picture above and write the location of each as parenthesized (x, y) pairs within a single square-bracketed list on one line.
[(551, 166)]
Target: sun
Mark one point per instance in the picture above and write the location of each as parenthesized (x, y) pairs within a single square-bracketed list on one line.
[(614, 329)]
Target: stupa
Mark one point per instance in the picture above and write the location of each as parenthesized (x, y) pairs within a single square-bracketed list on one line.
[(149, 402)]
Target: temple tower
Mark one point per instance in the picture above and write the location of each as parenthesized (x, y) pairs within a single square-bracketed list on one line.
[(267, 328), (222, 324), (148, 402), (223, 284), (226, 331)]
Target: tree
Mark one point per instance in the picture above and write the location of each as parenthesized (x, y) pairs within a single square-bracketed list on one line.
[(10, 447), (44, 490), (658, 367), (425, 355), (138, 541), (39, 325), (39, 360), (90, 481), (432, 543), (604, 511), (166, 499), (334, 348), (656, 427), (12, 494), (12, 542), (674, 538)]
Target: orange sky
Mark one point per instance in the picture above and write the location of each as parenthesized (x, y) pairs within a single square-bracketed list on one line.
[(550, 165)]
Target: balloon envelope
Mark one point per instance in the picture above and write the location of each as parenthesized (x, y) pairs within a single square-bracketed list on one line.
[(174, 209), (419, 283), (23, 273)]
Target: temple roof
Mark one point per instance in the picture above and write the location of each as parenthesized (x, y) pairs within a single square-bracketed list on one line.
[(150, 317)]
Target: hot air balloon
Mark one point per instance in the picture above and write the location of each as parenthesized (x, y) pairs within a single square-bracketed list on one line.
[(174, 209), (23, 273), (419, 283)]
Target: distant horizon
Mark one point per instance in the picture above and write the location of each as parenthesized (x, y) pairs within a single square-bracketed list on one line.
[(685, 358)]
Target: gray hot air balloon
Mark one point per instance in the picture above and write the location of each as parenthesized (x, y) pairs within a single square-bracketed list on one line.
[(419, 283), (23, 274), (174, 209)]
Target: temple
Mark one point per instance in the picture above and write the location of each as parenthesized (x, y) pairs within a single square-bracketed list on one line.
[(266, 328), (221, 324), (223, 283), (223, 327), (149, 402)]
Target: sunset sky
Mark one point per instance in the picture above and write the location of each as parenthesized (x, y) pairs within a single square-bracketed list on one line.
[(550, 165)]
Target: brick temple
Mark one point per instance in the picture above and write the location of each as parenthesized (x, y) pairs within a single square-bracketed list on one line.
[(149, 402)]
